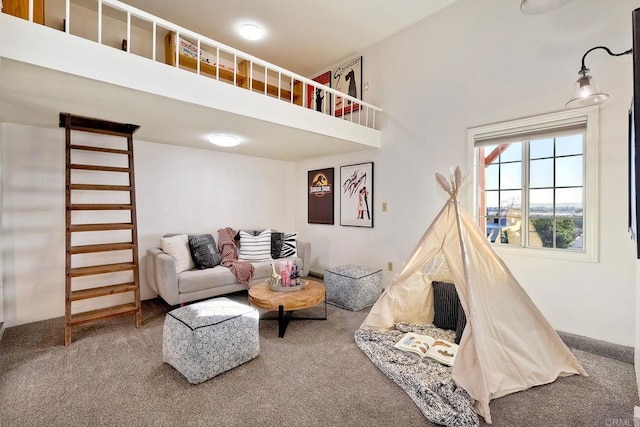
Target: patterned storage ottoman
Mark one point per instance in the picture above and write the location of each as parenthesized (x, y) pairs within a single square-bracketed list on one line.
[(352, 286), (207, 338)]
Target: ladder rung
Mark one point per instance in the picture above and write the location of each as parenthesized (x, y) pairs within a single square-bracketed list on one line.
[(102, 313), (99, 168), (106, 247), (100, 227), (100, 149), (102, 291), (102, 269), (100, 207), (100, 187)]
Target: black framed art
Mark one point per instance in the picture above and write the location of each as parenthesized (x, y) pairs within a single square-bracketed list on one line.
[(320, 196), (356, 195)]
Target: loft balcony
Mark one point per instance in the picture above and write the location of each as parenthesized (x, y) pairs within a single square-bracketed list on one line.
[(108, 60)]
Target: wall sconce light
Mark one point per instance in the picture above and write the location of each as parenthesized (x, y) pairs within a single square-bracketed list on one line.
[(538, 7), (585, 90)]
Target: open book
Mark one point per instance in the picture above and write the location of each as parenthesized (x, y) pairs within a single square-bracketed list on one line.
[(439, 350)]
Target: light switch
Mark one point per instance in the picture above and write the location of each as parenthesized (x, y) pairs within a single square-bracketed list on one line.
[(384, 206)]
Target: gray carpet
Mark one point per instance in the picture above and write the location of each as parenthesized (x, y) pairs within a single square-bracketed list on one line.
[(113, 375)]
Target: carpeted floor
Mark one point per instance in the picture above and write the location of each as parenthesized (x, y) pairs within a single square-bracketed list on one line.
[(113, 375)]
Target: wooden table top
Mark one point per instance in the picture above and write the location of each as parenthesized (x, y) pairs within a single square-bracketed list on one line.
[(262, 297)]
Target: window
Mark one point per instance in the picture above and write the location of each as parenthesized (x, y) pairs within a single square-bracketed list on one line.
[(535, 184)]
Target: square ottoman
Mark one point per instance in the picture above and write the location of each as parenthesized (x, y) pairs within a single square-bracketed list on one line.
[(207, 338), (353, 287)]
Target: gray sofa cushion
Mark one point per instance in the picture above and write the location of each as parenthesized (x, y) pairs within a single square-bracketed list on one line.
[(197, 280)]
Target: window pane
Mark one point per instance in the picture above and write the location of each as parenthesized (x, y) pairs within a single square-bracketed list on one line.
[(491, 177), (569, 171), (540, 148), (542, 233), (569, 201), (492, 204), (569, 233), (511, 176), (510, 201), (512, 234), (512, 152), (571, 144), (541, 202), (492, 227), (535, 241), (487, 151), (541, 173)]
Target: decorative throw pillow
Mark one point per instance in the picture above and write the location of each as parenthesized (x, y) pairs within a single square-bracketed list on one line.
[(289, 247), (462, 322), (445, 305), (255, 248), (204, 251), (178, 248), (276, 244)]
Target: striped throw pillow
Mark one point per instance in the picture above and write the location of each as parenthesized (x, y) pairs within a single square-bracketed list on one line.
[(445, 305), (289, 247), (255, 248)]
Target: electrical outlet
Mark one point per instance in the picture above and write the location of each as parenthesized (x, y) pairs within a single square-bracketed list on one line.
[(384, 206), (390, 266)]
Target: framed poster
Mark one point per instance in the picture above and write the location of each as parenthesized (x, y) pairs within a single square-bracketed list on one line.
[(347, 78), (318, 99), (356, 195), (320, 189)]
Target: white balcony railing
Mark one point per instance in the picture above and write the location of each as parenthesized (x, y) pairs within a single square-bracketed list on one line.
[(194, 52)]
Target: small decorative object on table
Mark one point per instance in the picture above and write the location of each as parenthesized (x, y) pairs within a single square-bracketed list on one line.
[(288, 280)]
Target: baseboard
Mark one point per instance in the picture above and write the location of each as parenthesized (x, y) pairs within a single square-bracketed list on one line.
[(619, 352), (316, 275)]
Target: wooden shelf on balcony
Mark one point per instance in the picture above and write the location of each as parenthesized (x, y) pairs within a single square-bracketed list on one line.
[(241, 72), (20, 8)]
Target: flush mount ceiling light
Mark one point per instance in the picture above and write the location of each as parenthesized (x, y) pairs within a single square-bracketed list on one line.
[(585, 90), (222, 140), (537, 7), (250, 31)]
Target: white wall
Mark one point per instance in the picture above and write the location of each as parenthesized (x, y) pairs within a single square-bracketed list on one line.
[(178, 190), (477, 63)]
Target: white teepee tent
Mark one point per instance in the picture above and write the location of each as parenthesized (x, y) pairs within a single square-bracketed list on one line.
[(507, 344)]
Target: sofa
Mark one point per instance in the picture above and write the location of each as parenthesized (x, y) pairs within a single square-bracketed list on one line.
[(197, 284)]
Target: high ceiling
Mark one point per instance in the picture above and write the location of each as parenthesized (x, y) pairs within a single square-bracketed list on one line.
[(303, 36)]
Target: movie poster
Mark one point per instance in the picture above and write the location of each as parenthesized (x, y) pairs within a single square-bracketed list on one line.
[(320, 185)]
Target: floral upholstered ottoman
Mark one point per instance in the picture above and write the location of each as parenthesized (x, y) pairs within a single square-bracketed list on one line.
[(353, 287), (207, 338)]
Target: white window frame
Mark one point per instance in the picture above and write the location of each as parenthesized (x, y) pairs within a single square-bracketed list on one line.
[(587, 116)]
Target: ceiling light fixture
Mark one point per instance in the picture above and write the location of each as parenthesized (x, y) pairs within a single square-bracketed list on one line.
[(222, 140), (538, 7), (251, 31), (585, 90)]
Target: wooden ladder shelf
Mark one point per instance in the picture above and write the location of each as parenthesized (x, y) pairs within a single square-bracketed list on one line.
[(103, 269)]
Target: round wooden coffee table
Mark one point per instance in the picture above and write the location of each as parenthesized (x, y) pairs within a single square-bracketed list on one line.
[(287, 302)]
